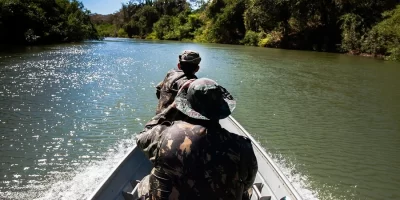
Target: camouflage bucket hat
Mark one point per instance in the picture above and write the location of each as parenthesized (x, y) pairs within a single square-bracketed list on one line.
[(190, 56), (205, 99)]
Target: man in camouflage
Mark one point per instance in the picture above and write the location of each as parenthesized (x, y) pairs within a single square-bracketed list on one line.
[(195, 158), (167, 89)]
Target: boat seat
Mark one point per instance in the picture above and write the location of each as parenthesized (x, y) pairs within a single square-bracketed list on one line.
[(258, 192), (133, 195)]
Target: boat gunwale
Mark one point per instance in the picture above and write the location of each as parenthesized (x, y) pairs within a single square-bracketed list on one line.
[(113, 172), (281, 176)]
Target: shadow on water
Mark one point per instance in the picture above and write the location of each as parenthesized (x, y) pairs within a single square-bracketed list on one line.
[(6, 49)]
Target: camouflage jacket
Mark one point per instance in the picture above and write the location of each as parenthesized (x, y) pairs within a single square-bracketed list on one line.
[(195, 162), (168, 88)]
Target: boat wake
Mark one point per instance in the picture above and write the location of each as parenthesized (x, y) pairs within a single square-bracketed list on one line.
[(298, 180), (80, 183), (86, 178)]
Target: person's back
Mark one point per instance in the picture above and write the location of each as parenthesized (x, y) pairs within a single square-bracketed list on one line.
[(199, 162), (195, 158), (168, 88)]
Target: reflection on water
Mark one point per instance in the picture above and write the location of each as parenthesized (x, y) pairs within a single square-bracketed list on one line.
[(68, 113)]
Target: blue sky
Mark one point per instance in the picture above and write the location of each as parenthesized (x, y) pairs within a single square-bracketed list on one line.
[(103, 6)]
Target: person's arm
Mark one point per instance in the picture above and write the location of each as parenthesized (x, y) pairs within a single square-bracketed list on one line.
[(158, 89), (252, 168), (148, 140), (169, 115), (160, 85)]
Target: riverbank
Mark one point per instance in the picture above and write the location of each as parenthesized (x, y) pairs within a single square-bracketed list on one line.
[(366, 30)]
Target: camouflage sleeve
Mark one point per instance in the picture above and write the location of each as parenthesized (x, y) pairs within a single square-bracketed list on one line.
[(167, 116), (148, 140), (161, 84), (252, 168), (158, 89)]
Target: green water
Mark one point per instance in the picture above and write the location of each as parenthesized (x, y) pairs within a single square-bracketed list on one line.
[(68, 114)]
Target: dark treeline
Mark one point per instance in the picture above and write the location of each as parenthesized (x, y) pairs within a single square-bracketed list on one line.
[(369, 27), (44, 21)]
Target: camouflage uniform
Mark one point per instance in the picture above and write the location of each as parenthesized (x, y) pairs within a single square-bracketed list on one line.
[(168, 89), (196, 158), (196, 162)]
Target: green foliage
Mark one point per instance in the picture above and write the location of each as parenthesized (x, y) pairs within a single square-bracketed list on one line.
[(251, 38), (348, 26), (386, 35), (202, 34), (265, 15), (164, 28), (107, 30), (121, 33), (373, 43), (139, 18), (271, 39), (181, 27), (227, 22), (352, 29), (152, 36), (44, 21)]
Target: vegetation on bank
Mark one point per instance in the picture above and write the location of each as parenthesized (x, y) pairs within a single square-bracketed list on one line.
[(368, 27), (44, 21)]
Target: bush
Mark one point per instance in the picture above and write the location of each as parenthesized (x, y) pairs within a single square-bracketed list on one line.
[(389, 28), (384, 38), (251, 38), (271, 39), (203, 33), (106, 30), (394, 54), (121, 33), (152, 36), (352, 30), (374, 43)]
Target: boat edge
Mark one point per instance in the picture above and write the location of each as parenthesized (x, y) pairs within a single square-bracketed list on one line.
[(269, 159)]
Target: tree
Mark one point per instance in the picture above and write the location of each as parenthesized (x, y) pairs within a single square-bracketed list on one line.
[(44, 21)]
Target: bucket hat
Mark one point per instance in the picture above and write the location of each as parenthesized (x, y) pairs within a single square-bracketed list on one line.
[(189, 56), (204, 99)]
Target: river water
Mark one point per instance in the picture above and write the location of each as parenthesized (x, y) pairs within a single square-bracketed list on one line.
[(68, 114)]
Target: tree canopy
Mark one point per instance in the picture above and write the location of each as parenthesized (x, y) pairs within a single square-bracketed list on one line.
[(44, 21), (369, 27), (358, 27)]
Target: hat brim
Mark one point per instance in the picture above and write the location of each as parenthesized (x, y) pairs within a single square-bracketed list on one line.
[(183, 105)]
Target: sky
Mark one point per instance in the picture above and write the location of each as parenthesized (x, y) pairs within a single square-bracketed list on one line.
[(103, 6)]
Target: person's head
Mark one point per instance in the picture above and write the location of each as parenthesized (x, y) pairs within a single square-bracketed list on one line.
[(204, 99), (189, 61)]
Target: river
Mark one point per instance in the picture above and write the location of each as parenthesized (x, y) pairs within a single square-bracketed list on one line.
[(69, 112)]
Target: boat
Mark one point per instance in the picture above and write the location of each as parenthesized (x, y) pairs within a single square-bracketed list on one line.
[(122, 182)]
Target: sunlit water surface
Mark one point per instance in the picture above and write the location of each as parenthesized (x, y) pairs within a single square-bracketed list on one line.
[(68, 114)]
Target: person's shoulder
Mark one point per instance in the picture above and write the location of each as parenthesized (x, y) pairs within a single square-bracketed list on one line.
[(170, 73), (186, 128), (174, 74), (239, 139), (182, 125), (174, 71)]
